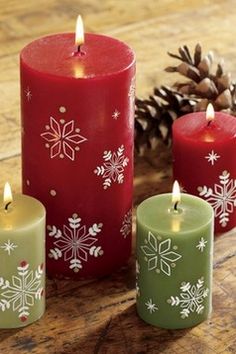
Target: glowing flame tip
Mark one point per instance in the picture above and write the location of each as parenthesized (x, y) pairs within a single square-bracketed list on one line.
[(176, 193), (210, 113), (79, 33), (7, 194)]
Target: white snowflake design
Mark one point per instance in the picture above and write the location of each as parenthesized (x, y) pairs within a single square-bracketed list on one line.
[(137, 275), (9, 247), (191, 298), (222, 197), (115, 114), (28, 94), (113, 167), (24, 289), (159, 254), (75, 244), (202, 244), (62, 138), (127, 224), (151, 307), (131, 93), (212, 157)]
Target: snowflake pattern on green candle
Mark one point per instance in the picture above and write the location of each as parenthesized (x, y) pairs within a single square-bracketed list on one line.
[(191, 298), (160, 255), (151, 307)]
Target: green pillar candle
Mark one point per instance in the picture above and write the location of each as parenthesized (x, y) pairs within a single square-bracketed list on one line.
[(174, 261), (22, 267)]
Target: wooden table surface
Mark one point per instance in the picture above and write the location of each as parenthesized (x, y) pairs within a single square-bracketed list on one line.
[(99, 316)]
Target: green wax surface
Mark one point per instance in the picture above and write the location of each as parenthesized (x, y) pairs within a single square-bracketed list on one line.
[(22, 266), (157, 213), (174, 261)]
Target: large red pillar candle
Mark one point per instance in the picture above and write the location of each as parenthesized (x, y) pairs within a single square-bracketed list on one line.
[(77, 149), (204, 155)]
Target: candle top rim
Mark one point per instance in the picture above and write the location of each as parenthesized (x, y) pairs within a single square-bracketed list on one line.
[(54, 55), (188, 216), (194, 126), (23, 212)]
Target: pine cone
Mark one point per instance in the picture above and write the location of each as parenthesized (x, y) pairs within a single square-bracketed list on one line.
[(204, 85), (154, 116)]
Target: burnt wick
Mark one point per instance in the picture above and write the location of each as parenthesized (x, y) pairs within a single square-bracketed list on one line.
[(7, 206)]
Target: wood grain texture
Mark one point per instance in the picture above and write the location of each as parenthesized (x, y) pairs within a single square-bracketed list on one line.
[(99, 316)]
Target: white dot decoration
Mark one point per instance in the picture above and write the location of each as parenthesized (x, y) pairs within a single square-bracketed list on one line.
[(27, 182), (62, 109), (53, 192), (62, 121)]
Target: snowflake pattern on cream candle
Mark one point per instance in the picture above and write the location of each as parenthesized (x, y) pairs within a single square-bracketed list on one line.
[(8, 247), (21, 292)]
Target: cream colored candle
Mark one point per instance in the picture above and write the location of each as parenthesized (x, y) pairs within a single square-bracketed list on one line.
[(22, 255)]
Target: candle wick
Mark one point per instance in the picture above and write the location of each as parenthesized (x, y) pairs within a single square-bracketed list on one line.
[(175, 206), (209, 122), (79, 48), (7, 205)]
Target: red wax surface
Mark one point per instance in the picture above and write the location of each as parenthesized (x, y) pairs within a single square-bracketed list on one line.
[(205, 162), (57, 55), (77, 149)]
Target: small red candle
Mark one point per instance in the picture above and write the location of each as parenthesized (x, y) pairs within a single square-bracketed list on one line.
[(77, 148), (204, 150)]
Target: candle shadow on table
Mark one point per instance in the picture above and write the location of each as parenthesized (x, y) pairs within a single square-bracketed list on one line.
[(124, 332), (102, 313), (6, 333)]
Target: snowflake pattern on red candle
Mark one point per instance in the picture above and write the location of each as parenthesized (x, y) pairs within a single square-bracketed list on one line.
[(222, 197), (127, 224), (28, 94), (212, 157), (62, 138), (113, 167), (132, 88), (75, 243), (21, 292)]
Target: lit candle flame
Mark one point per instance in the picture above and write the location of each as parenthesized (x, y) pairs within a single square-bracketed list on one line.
[(7, 195), (210, 113), (79, 33), (176, 194)]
